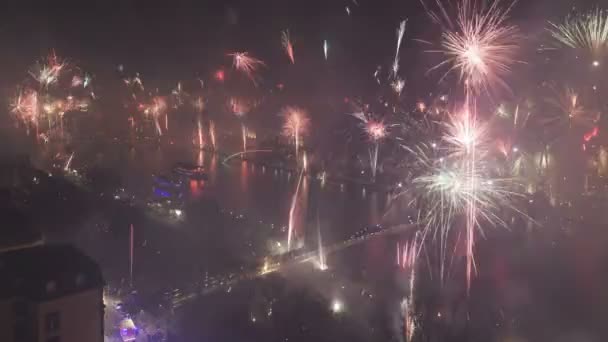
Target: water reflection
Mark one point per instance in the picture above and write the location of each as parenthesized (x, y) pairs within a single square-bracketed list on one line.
[(343, 207)]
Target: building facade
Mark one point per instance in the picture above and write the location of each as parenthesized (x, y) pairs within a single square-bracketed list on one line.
[(50, 293)]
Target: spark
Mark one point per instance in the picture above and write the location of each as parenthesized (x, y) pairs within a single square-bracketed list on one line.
[(25, 105), (77, 81), (400, 32), (199, 104), (238, 107), (47, 73), (570, 109), (325, 48), (398, 85), (87, 80), (287, 45), (337, 306), (376, 130), (159, 106), (481, 45), (135, 81), (178, 93), (464, 134), (246, 64), (588, 31), (296, 124)]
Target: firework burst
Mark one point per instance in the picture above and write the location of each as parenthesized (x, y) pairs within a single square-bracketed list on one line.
[(296, 124), (26, 107), (457, 181), (47, 72), (588, 31), (240, 108), (246, 64), (569, 109), (375, 132), (480, 44), (398, 84)]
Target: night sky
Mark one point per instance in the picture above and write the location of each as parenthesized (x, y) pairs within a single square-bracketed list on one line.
[(178, 39)]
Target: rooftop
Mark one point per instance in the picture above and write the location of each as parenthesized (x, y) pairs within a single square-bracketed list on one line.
[(47, 272)]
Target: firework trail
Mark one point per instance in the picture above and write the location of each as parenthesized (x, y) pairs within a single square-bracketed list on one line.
[(246, 64), (480, 44), (178, 94), (201, 143), (588, 31), (400, 32), (199, 104), (69, 162), (322, 263), (227, 159), (212, 134), (87, 80), (407, 258), (375, 131), (156, 109), (292, 211), (244, 136), (287, 45), (325, 48), (296, 124), (240, 109)]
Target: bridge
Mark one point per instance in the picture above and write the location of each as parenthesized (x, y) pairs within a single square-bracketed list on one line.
[(285, 261)]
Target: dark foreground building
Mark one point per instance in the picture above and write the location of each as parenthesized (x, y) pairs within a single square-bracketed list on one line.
[(50, 293)]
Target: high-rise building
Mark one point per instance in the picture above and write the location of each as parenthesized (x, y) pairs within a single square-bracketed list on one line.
[(50, 293)]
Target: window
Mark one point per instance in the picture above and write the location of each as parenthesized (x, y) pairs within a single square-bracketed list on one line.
[(53, 322)]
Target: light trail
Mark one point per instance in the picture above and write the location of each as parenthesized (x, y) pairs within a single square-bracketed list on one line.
[(243, 153)]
